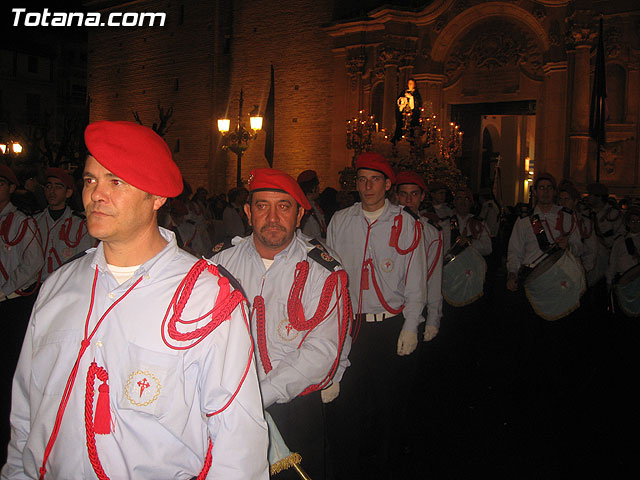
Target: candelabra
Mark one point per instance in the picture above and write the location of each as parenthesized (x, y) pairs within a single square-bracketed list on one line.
[(451, 147), (359, 132), (237, 140)]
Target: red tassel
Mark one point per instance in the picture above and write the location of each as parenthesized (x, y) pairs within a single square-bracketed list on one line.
[(49, 265), (393, 239), (102, 421), (365, 279)]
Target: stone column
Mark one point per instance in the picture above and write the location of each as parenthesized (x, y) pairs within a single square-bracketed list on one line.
[(552, 118), (390, 59), (581, 37)]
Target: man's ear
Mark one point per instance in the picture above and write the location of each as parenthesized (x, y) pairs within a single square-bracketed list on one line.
[(247, 211)]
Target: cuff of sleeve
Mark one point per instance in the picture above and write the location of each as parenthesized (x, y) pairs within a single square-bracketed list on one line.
[(411, 325), (434, 321), (269, 394)]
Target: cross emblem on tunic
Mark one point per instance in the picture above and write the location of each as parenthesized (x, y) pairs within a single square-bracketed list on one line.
[(143, 384)]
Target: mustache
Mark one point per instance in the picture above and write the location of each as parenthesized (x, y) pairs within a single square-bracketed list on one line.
[(273, 225)]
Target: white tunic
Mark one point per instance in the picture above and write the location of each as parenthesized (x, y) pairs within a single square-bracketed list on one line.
[(159, 396)]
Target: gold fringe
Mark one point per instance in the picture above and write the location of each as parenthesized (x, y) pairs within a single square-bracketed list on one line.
[(286, 462)]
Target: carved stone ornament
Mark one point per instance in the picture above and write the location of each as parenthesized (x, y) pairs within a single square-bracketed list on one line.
[(610, 155), (539, 12), (355, 68), (495, 45), (388, 55), (612, 41), (580, 29)]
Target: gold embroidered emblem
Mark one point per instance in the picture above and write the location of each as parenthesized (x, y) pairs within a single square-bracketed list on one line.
[(286, 331), (326, 257), (386, 265), (142, 388)]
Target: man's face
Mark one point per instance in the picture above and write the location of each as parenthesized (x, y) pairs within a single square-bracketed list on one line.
[(6, 189), (410, 196), (56, 193), (116, 211), (545, 192), (634, 223), (274, 217), (565, 200), (372, 187), (439, 196), (462, 202), (594, 201)]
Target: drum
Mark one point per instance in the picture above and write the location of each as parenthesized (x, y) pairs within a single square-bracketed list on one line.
[(463, 277), (555, 285), (627, 290)]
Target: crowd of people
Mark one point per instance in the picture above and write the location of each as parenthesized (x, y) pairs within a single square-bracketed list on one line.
[(218, 326)]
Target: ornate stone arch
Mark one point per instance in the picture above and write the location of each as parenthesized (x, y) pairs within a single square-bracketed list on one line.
[(463, 22)]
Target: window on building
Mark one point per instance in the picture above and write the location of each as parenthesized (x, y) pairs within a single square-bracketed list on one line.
[(33, 108), (32, 64)]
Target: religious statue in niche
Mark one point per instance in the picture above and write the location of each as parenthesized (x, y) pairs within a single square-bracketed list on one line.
[(408, 110)]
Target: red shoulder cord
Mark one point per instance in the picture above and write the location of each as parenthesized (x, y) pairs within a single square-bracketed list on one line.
[(335, 282), (585, 227), (6, 227), (396, 230), (74, 371), (65, 231), (4, 234), (560, 224)]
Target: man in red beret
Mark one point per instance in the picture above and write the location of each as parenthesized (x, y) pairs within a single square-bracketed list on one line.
[(301, 312), (20, 262), (63, 232), (176, 399), (313, 223), (438, 192), (381, 247)]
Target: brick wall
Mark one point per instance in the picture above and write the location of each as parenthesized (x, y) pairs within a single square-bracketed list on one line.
[(179, 66), (291, 38), (137, 68)]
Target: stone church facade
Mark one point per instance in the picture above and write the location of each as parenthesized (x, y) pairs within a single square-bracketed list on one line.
[(515, 75)]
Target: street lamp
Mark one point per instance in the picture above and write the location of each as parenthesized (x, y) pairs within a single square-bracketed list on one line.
[(10, 148), (237, 140)]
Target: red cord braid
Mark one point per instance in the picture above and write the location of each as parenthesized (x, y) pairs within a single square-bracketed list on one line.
[(65, 231), (259, 308), (369, 264), (396, 230), (331, 284), (335, 282), (226, 302), (6, 227), (101, 374)]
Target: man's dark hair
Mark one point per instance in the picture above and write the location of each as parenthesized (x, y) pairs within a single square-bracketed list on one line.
[(309, 186)]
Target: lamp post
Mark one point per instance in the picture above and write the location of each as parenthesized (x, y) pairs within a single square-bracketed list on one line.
[(237, 140)]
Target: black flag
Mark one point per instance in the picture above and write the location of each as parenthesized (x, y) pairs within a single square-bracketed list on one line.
[(598, 113), (269, 123)]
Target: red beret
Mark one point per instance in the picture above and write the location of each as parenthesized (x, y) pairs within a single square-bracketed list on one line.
[(278, 181), (545, 176), (375, 161), (136, 154), (61, 175), (307, 176), (407, 176), (7, 173)]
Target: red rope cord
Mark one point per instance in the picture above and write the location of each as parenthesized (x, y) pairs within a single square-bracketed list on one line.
[(65, 231), (74, 371), (432, 267), (6, 227), (336, 283), (396, 230)]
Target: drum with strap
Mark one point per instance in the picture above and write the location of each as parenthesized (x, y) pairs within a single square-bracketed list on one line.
[(555, 285), (463, 275), (627, 290)]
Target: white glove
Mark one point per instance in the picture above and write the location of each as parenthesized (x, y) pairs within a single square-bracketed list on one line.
[(407, 342), (330, 393), (430, 333)]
